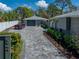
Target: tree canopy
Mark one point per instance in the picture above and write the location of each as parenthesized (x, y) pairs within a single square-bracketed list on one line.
[(24, 11), (65, 5), (54, 8), (20, 12)]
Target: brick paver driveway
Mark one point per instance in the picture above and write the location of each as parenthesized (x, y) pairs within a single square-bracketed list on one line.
[(37, 45)]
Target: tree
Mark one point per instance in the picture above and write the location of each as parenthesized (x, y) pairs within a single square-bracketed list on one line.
[(9, 16), (24, 11), (53, 10), (42, 13), (1, 18), (1, 13), (64, 5), (20, 12)]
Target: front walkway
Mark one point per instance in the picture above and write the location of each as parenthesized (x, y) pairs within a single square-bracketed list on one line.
[(37, 45)]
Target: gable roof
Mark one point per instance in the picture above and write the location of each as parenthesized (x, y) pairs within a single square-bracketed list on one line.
[(6, 25), (71, 14), (35, 18)]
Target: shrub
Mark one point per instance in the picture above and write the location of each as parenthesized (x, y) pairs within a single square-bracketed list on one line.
[(51, 32), (44, 26), (55, 34), (69, 42), (16, 44)]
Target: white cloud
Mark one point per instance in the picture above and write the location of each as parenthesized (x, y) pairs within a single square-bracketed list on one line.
[(4, 7), (42, 4)]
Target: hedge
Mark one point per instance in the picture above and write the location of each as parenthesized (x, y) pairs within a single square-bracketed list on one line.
[(55, 34), (67, 41), (16, 44)]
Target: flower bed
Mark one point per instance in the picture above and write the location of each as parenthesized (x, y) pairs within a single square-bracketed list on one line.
[(67, 41), (16, 44)]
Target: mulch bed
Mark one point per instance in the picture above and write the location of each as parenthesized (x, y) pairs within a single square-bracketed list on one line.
[(58, 46)]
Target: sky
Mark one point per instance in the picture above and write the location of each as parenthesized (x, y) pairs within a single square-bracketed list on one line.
[(33, 4)]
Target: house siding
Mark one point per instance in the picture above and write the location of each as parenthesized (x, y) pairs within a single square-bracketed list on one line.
[(75, 25), (61, 23)]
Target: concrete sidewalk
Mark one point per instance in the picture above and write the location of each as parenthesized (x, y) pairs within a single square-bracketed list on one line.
[(37, 46)]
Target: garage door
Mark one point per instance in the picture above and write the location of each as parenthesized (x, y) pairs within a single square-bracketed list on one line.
[(30, 22)]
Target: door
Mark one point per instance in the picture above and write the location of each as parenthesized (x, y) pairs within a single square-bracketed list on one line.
[(31, 23)]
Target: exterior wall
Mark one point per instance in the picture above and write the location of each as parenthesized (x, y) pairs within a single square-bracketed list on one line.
[(75, 25), (1, 49), (5, 47), (61, 23)]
